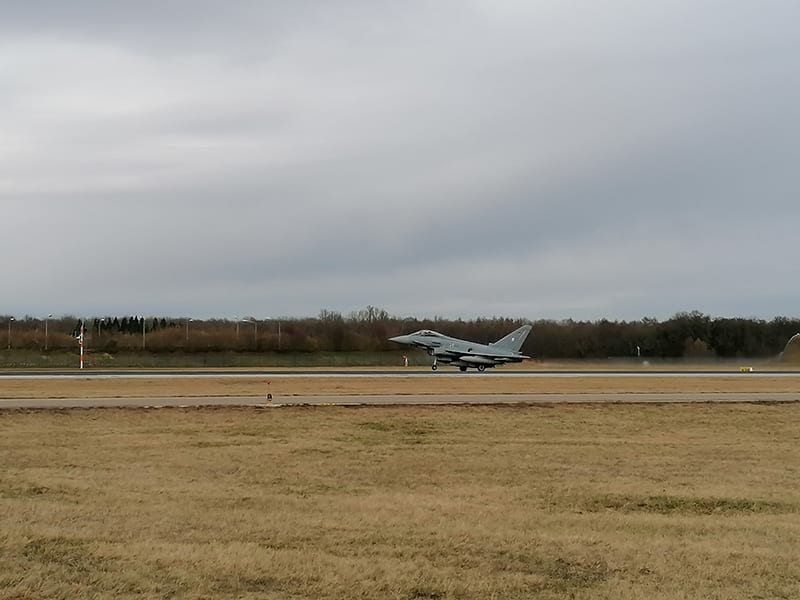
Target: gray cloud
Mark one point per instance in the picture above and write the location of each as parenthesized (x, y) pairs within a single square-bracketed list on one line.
[(459, 159)]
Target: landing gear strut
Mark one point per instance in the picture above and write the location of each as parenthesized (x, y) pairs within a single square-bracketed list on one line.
[(434, 366)]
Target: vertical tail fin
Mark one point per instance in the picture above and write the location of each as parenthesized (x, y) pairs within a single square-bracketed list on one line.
[(514, 340)]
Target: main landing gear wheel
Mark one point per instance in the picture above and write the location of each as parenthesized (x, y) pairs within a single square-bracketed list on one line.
[(463, 368), (481, 368)]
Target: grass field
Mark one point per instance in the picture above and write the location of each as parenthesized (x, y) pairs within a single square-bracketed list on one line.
[(569, 501), (29, 359)]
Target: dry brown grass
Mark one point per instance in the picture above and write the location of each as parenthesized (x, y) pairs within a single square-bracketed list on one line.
[(576, 501), (433, 384)]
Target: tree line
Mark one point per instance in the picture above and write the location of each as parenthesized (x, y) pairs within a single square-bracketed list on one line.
[(691, 335)]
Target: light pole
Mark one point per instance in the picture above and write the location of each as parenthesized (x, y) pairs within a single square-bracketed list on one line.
[(279, 330), (187, 328), (144, 338), (82, 341), (255, 330), (45, 330), (9, 332)]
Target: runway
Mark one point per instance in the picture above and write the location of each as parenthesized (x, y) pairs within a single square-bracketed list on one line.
[(10, 375), (394, 400)]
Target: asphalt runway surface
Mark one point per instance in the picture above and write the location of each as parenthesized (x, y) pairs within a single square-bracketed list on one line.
[(395, 400)]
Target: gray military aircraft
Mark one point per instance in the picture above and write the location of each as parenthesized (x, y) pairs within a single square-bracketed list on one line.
[(465, 354)]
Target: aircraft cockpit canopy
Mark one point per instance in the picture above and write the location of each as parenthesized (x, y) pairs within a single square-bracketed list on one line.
[(428, 333)]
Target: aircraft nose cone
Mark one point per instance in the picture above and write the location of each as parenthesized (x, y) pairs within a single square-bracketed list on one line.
[(400, 339)]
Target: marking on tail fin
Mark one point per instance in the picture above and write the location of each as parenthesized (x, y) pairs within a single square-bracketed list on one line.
[(514, 340)]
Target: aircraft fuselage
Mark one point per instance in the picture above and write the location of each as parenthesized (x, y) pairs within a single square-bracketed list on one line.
[(466, 354)]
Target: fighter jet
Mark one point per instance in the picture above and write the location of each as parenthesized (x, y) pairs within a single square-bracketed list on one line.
[(465, 354)]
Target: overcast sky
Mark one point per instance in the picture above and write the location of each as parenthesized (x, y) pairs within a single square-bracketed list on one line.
[(593, 159)]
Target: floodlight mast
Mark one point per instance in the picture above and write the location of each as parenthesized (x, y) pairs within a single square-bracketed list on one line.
[(50, 316), (9, 331), (278, 321), (80, 342), (254, 321)]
